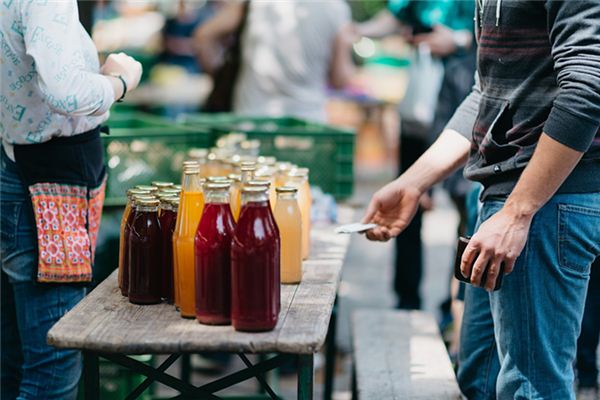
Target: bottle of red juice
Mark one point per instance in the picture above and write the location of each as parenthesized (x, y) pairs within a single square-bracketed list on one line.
[(212, 256), (255, 264), (145, 254)]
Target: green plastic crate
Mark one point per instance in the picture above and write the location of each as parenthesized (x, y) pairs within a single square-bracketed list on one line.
[(328, 151), (142, 148)]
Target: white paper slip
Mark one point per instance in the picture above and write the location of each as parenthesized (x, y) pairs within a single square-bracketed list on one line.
[(354, 228)]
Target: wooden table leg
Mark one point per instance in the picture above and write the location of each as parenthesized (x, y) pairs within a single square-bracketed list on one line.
[(91, 376), (306, 372), (330, 352)]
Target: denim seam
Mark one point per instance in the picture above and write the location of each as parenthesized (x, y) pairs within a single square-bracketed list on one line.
[(530, 355), (488, 369)]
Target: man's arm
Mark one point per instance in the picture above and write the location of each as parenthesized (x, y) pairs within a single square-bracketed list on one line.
[(569, 131), (394, 206), (209, 37), (502, 237)]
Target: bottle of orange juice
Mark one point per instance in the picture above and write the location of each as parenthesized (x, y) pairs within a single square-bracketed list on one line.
[(289, 220), (247, 175), (298, 178), (235, 193), (191, 206)]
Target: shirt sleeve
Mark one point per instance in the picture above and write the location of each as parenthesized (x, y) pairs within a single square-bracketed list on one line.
[(56, 41), (575, 38), (465, 115)]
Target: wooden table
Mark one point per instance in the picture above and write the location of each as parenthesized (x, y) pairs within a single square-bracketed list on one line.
[(104, 324)]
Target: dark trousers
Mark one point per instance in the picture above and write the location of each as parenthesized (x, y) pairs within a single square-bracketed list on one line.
[(587, 345), (409, 247)]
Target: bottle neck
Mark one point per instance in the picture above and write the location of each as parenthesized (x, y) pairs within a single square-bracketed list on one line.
[(254, 197), (192, 183), (142, 208), (287, 197), (220, 196)]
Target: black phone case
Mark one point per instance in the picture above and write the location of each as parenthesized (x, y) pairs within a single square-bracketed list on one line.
[(460, 249)]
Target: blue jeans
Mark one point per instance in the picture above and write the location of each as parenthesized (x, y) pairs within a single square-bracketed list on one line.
[(31, 369), (537, 313)]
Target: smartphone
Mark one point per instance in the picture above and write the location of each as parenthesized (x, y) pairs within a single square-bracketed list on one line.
[(460, 249)]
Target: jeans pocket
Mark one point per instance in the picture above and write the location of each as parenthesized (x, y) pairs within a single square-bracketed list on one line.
[(9, 223), (578, 236)]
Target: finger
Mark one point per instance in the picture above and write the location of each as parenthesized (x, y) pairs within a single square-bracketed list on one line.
[(478, 267), (509, 264), (370, 213), (466, 262), (493, 270)]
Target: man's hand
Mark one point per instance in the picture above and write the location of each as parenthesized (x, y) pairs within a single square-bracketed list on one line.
[(124, 65), (500, 239), (392, 208)]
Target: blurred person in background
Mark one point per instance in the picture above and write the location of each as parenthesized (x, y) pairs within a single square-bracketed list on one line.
[(54, 95), (178, 31), (529, 132), (445, 29), (288, 54)]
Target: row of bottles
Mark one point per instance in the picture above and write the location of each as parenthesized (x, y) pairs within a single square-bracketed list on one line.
[(220, 248)]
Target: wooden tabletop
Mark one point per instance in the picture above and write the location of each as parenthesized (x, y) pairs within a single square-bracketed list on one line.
[(105, 321)]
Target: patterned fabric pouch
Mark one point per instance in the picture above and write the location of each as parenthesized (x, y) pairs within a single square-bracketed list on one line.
[(66, 180)]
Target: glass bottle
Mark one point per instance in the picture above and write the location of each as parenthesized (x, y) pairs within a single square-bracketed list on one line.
[(282, 170), (298, 178), (124, 218), (213, 256), (127, 239), (247, 175), (235, 192), (255, 265), (289, 220), (167, 218), (145, 254), (190, 210)]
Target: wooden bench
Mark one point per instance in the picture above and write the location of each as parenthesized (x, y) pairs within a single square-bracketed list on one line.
[(400, 355)]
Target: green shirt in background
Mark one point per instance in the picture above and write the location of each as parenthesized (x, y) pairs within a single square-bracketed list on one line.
[(455, 14)]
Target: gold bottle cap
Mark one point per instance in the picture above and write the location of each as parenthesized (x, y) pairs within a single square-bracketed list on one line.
[(216, 185), (235, 177), (255, 189), (178, 187), (162, 185), (248, 164), (187, 163), (151, 189), (191, 170), (134, 191), (258, 182), (286, 189), (217, 179), (137, 198), (148, 202), (170, 190)]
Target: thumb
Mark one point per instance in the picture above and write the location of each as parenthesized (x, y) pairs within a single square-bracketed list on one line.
[(371, 210)]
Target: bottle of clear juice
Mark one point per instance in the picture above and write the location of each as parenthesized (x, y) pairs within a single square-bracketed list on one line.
[(190, 210), (213, 256), (289, 220), (298, 178), (255, 265)]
